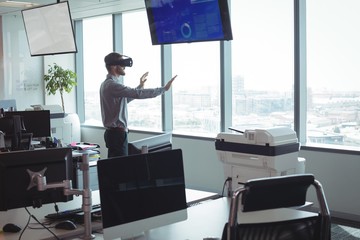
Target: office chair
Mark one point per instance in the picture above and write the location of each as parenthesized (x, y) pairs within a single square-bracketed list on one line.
[(278, 194)]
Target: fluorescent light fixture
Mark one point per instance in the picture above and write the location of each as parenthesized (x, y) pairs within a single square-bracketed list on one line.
[(17, 4)]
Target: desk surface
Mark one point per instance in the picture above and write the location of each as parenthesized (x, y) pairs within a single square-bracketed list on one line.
[(205, 219), (208, 220), (20, 216)]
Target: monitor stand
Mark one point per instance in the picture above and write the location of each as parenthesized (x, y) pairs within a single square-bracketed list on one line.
[(141, 235)]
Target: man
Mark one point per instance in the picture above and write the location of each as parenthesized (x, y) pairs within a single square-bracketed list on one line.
[(114, 97)]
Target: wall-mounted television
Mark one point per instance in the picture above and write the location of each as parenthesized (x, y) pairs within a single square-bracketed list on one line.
[(185, 21), (49, 29)]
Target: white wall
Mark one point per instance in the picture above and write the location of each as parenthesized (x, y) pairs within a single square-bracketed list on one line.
[(338, 173), (21, 75)]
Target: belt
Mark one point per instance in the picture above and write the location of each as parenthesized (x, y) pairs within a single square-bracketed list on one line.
[(120, 129)]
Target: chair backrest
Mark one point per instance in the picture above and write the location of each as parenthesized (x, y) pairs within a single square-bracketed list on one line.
[(278, 192), (270, 193)]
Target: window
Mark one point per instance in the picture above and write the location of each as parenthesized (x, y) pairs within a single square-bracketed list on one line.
[(97, 44), (262, 64), (143, 113), (196, 91), (333, 76)]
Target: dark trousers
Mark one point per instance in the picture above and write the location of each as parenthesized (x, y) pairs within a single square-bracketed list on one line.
[(116, 142)]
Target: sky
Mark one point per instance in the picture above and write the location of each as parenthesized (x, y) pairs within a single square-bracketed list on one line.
[(263, 43)]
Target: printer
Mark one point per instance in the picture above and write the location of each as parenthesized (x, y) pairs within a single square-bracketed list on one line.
[(258, 153)]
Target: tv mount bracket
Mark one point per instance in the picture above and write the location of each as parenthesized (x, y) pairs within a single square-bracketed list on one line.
[(39, 180)]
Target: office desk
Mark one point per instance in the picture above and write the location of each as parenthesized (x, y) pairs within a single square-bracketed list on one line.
[(208, 220), (20, 217), (205, 219)]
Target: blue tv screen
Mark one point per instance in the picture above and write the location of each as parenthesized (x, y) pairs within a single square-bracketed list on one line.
[(185, 21)]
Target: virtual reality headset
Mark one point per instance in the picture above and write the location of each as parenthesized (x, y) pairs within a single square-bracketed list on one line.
[(125, 62)]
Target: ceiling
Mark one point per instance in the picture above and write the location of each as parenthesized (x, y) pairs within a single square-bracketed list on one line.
[(74, 4)]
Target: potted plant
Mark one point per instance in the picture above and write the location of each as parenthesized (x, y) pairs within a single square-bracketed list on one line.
[(59, 79)]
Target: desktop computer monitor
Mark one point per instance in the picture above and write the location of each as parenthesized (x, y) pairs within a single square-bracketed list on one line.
[(15, 179), (156, 143), (141, 192), (35, 122), (13, 134)]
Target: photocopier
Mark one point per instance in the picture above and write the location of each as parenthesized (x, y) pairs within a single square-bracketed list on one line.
[(258, 153)]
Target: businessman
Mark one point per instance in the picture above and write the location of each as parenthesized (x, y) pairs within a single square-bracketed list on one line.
[(114, 97)]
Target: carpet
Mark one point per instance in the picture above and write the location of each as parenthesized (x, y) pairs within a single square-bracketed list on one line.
[(341, 232)]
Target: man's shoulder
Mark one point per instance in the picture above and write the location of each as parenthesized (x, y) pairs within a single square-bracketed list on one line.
[(110, 81), (112, 85)]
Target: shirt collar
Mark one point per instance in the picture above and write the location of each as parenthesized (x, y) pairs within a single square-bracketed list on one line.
[(116, 79)]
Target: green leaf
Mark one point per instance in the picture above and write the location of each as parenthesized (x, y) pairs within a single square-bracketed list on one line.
[(59, 79)]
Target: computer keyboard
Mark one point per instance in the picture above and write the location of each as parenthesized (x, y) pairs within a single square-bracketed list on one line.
[(70, 213)]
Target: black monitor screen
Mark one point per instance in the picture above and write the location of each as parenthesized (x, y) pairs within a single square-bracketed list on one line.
[(184, 21), (35, 122), (15, 179), (156, 143), (141, 187)]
